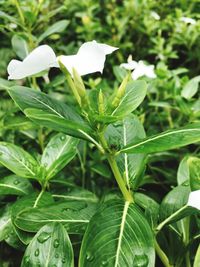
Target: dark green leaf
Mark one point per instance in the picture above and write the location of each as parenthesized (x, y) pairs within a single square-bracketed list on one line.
[(166, 140), (118, 235), (51, 246)]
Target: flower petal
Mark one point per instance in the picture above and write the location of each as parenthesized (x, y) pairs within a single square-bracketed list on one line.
[(194, 199), (40, 59), (89, 59)]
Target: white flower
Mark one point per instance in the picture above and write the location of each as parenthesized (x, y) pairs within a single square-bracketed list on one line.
[(40, 59), (139, 69), (194, 199), (90, 58), (188, 20), (155, 15)]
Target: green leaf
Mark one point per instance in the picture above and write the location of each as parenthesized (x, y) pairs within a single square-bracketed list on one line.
[(197, 257), (118, 235), (18, 160), (59, 152), (191, 88), (183, 171), (49, 112), (166, 140), (133, 97), (5, 222), (15, 185), (75, 215), (123, 133), (57, 27), (20, 46), (51, 246), (194, 173)]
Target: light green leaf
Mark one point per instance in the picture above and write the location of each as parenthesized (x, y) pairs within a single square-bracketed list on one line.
[(57, 27), (20, 46), (191, 88), (15, 185), (5, 222), (59, 152), (194, 173), (75, 215), (51, 246), (18, 160), (166, 140), (197, 257), (118, 235), (183, 171), (133, 97)]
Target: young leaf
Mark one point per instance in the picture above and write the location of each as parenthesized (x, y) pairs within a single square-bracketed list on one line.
[(59, 152), (166, 140), (118, 235), (57, 27), (75, 215), (194, 172), (15, 185), (49, 112), (51, 246), (183, 171), (191, 88), (18, 160), (122, 133), (134, 95)]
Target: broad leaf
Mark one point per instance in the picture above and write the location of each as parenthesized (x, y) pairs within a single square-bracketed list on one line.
[(49, 112), (20, 46), (166, 140), (191, 88), (15, 185), (5, 222), (59, 152), (51, 246), (121, 134), (133, 97), (75, 215), (57, 27), (118, 235), (18, 160), (183, 171)]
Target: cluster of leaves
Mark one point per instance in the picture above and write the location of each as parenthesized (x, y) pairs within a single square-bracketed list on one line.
[(59, 201)]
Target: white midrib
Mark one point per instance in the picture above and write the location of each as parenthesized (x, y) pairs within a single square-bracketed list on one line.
[(160, 136), (12, 187), (125, 211), (125, 156)]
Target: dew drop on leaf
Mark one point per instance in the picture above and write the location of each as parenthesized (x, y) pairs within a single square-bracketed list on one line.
[(44, 236), (89, 256), (26, 259), (16, 182), (37, 252), (104, 262), (140, 260), (63, 260), (56, 243), (56, 255), (62, 138)]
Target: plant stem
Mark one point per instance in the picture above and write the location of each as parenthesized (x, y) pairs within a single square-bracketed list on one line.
[(111, 159), (162, 255), (19, 11), (186, 237)]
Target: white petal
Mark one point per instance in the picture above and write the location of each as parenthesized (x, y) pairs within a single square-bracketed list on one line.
[(138, 72), (89, 59), (188, 20), (194, 199), (155, 15), (40, 59)]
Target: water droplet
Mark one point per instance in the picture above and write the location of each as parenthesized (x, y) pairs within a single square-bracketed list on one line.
[(63, 137), (37, 252), (26, 259), (44, 236), (63, 260), (89, 256), (56, 255), (140, 260), (56, 243), (16, 182), (104, 262)]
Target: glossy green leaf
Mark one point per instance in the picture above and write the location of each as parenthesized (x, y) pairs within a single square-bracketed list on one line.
[(134, 95), (60, 150), (121, 134), (194, 172), (57, 27), (51, 246), (75, 215), (50, 112), (5, 222), (118, 235), (15, 185), (166, 140), (18, 160), (197, 257), (191, 88), (183, 171)]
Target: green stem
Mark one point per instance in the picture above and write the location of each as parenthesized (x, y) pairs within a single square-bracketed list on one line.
[(111, 159), (163, 257), (186, 238), (19, 11)]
